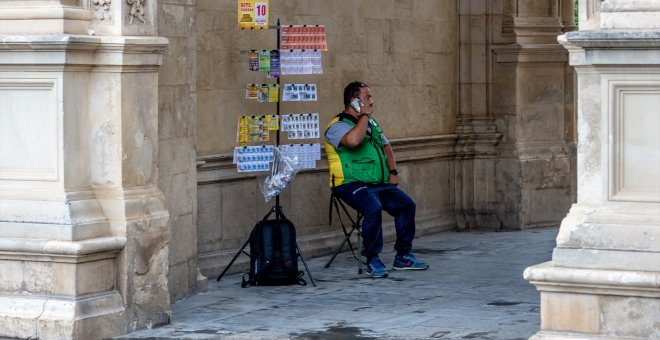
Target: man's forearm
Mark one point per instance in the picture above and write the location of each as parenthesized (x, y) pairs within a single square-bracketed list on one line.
[(391, 162), (355, 136)]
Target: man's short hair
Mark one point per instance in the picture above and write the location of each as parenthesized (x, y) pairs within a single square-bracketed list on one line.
[(352, 90)]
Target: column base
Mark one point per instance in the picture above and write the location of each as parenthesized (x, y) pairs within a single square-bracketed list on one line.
[(90, 317), (579, 303)]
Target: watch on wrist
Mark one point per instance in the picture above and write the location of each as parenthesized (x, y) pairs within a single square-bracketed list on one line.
[(394, 172)]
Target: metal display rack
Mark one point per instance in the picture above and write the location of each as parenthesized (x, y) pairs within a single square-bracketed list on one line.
[(277, 208)]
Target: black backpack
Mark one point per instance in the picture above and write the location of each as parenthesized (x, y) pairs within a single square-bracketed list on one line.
[(273, 254)]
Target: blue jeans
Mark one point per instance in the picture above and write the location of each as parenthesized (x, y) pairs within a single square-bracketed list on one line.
[(371, 200)]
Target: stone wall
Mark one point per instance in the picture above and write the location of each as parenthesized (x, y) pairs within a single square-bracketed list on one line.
[(405, 50), (177, 130)]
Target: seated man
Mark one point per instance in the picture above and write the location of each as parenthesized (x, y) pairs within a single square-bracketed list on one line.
[(363, 174)]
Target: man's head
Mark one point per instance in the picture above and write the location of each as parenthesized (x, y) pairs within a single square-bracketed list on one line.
[(352, 90)]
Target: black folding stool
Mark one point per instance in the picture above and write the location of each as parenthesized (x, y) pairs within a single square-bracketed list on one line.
[(339, 207)]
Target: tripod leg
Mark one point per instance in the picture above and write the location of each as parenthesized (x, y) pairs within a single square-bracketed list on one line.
[(305, 264), (234, 259)]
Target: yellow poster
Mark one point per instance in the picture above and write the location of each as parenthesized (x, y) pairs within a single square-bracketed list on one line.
[(252, 14)]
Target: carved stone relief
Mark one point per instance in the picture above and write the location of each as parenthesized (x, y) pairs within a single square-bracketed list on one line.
[(137, 11), (101, 9)]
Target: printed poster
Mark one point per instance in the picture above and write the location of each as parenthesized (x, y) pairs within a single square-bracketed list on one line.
[(303, 37), (252, 14)]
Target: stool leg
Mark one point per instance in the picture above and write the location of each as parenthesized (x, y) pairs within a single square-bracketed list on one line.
[(359, 242), (347, 239)]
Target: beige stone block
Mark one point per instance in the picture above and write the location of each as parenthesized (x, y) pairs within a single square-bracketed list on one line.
[(38, 277), (11, 279), (479, 99), (378, 41), (224, 6), (377, 9), (465, 63), (208, 217), (539, 8), (172, 20), (504, 94), (174, 61), (250, 208), (178, 281), (207, 25), (95, 277), (175, 112), (402, 9), (209, 139), (184, 232), (180, 185), (74, 279), (465, 99), (428, 186), (151, 299), (464, 7), (464, 29), (428, 11), (478, 7), (305, 212), (478, 30), (178, 155), (631, 317), (65, 278), (478, 59), (570, 312), (497, 7), (547, 207), (403, 41), (17, 316)]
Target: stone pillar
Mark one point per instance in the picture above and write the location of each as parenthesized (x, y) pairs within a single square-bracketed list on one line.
[(83, 226), (532, 106), (603, 280), (475, 129)]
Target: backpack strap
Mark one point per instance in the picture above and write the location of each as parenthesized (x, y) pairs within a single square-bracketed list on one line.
[(278, 212), (300, 280), (268, 252), (289, 248), (244, 282)]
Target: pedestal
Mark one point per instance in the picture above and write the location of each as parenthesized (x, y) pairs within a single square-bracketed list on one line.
[(603, 280), (83, 226)]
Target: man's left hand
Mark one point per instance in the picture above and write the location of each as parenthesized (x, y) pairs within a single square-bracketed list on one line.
[(394, 180)]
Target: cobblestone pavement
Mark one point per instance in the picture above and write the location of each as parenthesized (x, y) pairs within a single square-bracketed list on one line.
[(473, 290)]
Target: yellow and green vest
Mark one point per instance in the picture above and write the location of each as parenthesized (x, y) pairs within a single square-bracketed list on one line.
[(365, 163)]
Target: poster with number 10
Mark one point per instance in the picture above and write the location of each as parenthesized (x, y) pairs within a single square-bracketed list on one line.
[(252, 14)]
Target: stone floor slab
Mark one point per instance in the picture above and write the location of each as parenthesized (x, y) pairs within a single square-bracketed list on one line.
[(473, 290)]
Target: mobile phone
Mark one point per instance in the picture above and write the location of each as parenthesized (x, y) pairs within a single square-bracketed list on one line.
[(355, 103)]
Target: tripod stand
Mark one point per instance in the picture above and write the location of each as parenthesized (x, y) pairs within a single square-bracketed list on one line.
[(278, 215)]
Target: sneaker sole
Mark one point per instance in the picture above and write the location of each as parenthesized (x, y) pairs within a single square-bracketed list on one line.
[(376, 276), (409, 268)]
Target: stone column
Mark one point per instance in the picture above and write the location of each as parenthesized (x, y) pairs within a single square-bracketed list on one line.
[(603, 280), (83, 226), (475, 129), (532, 106)]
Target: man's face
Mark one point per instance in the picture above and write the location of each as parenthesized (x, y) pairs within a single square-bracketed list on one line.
[(365, 96)]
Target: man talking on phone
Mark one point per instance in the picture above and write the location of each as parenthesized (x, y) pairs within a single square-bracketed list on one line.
[(363, 174)]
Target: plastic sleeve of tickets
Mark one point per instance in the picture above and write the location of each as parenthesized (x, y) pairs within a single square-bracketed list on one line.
[(253, 158)]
